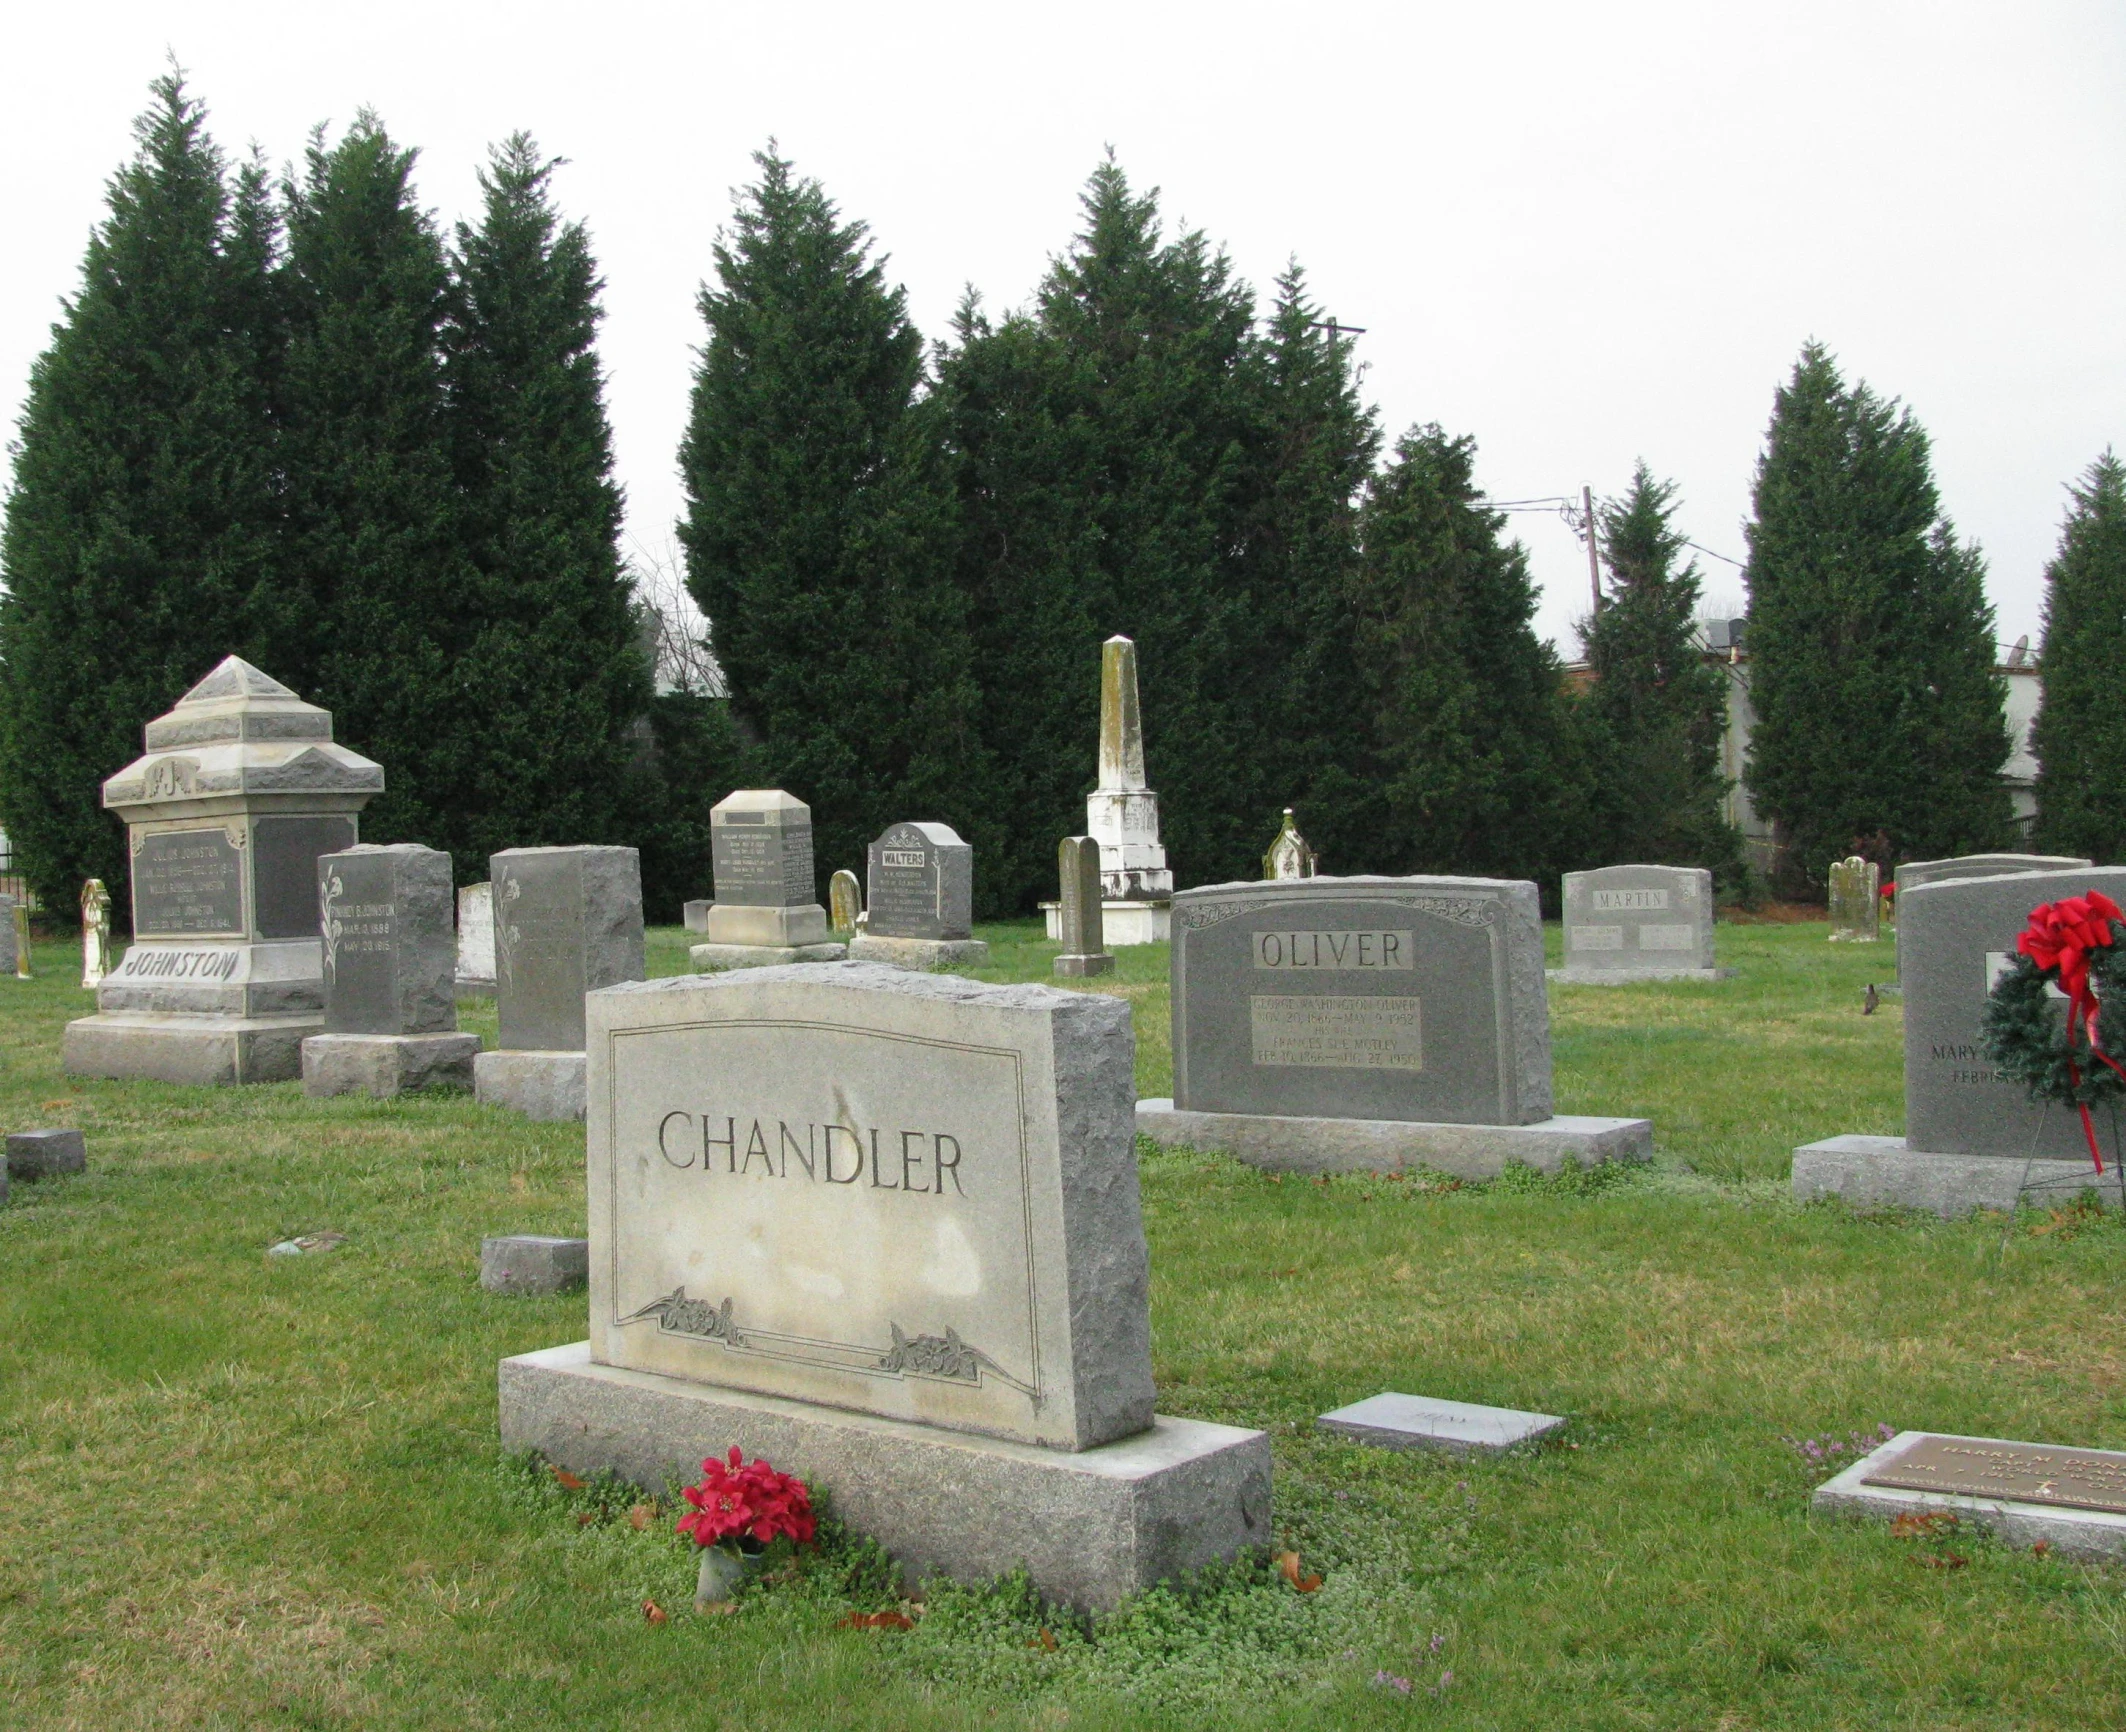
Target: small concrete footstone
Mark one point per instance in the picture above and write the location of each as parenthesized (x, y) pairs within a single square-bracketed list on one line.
[(541, 1085), (1089, 1526), (2073, 1501), (695, 915), (41, 1154), (383, 1065), (1874, 1172), (720, 958), (1312, 1145), (1420, 1422), (532, 1263), (928, 954)]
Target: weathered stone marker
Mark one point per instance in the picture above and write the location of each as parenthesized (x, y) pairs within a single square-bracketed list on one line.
[(1334, 1023), (534, 1263), (476, 941), (95, 934), (1122, 814), (1082, 915), (1856, 901), (1394, 1421), (1972, 1138), (767, 909), (1289, 855), (845, 900), (240, 791), (42, 1154), (567, 921), (883, 1228), (694, 916), (7, 934), (1626, 923), (391, 1008), (2071, 1500), (921, 901), (18, 923)]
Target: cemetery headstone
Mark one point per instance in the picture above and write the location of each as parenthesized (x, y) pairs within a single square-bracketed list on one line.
[(1122, 814), (1289, 855), (1973, 1139), (391, 1010), (95, 934), (1324, 1024), (533, 1263), (695, 915), (1081, 909), (921, 901), (240, 790), (1913, 873), (845, 900), (1626, 923), (476, 941), (2070, 1501), (19, 930), (883, 1228), (567, 921), (1856, 901), (767, 910), (42, 1154), (7, 934), (1394, 1421)]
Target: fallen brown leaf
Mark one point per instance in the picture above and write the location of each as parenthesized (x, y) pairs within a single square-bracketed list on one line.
[(518, 1182), (1946, 1561), (1045, 1641), (1919, 1524), (878, 1621), (655, 1613), (584, 1517), (641, 1515), (2041, 1548), (1288, 1563), (564, 1479)]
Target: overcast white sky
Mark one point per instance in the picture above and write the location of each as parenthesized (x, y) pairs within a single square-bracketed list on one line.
[(1582, 233)]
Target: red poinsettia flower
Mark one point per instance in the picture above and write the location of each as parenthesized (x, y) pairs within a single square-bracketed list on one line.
[(740, 1499)]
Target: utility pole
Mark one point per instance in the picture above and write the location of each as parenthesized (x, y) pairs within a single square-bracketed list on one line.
[(1594, 563), (1335, 330)]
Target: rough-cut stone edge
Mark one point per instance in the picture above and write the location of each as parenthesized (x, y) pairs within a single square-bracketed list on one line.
[(2085, 1533), (534, 1263), (173, 1047), (1632, 976), (726, 958), (44, 1154), (547, 1086), (921, 953), (1089, 1526), (383, 1065), (1540, 1425), (1304, 1145), (1874, 1171)]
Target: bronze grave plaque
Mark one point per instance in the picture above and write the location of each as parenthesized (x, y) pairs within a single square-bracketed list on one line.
[(2044, 1473)]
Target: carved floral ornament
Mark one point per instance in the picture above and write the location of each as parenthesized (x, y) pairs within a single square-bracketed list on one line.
[(1471, 911)]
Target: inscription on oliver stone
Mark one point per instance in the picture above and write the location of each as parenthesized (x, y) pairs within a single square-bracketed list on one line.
[(188, 883), (1417, 999), (921, 883)]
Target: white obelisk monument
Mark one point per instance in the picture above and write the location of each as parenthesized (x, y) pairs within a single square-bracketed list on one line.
[(1122, 814)]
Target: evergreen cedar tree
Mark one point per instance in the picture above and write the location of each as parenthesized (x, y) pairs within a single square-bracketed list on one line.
[(1655, 711), (818, 529), (141, 541), (1870, 639), (2080, 735)]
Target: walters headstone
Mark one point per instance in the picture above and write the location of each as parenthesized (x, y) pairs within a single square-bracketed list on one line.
[(476, 941), (921, 901), (1856, 901), (1972, 1138), (239, 793), (883, 1228), (1625, 923), (767, 908), (391, 1013), (567, 921), (1080, 910), (1331, 1023)]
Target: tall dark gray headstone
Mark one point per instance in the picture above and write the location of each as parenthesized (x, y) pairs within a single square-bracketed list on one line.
[(567, 921), (1913, 873), (1079, 911)]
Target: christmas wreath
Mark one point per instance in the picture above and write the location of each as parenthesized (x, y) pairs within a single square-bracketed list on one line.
[(2078, 946)]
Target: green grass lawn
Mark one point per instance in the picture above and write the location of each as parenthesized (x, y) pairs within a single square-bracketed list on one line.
[(242, 1492)]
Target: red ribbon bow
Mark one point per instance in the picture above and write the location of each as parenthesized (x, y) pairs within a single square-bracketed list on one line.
[(2059, 940)]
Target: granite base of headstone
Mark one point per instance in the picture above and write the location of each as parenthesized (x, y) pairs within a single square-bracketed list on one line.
[(476, 942), (1393, 1421), (765, 914), (391, 1013), (695, 915), (45, 1154), (1369, 1024), (240, 790), (1973, 1139), (2071, 1501), (883, 1228), (568, 921), (1625, 924), (534, 1263), (921, 901)]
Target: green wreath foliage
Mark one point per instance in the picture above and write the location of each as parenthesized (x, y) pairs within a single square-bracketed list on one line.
[(2025, 1030)]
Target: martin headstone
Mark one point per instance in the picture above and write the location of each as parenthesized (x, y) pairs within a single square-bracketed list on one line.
[(391, 1008), (567, 921), (1331, 1023), (1122, 815), (95, 934), (240, 791), (1081, 909), (921, 901), (1289, 855), (1856, 901), (767, 908), (1973, 1139), (476, 941), (845, 900), (883, 1228), (1626, 923)]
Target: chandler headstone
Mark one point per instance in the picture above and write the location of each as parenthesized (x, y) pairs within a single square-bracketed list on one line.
[(1638, 922)]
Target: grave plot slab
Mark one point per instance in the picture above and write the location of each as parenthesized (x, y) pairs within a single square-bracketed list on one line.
[(2073, 1500), (383, 1065), (1282, 1144), (1395, 1421), (1874, 1172), (42, 1154)]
